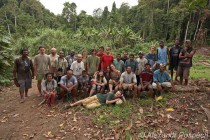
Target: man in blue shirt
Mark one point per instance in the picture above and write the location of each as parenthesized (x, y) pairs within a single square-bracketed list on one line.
[(162, 54), (162, 80)]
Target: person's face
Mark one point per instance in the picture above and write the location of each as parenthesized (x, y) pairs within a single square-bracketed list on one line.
[(61, 54), (42, 50), (94, 52), (112, 67), (118, 57), (72, 53), (53, 52), (128, 69), (118, 94), (176, 42), (187, 44), (125, 55), (147, 67), (49, 77), (152, 49), (161, 44), (107, 51), (140, 55), (25, 53), (69, 74), (101, 73), (131, 58), (162, 68), (100, 50), (79, 58), (108, 69), (84, 53), (84, 73)]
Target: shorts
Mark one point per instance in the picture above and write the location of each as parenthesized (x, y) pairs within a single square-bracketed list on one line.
[(164, 84), (40, 77), (173, 67), (94, 87), (25, 84), (111, 82), (147, 88), (125, 86), (90, 102), (184, 72)]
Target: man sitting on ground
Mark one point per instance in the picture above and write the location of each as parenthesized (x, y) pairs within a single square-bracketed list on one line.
[(128, 81), (84, 82), (162, 80), (146, 80), (68, 84)]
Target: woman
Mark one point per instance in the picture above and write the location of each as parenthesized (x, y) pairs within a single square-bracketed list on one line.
[(49, 89), (99, 82), (114, 77), (100, 99)]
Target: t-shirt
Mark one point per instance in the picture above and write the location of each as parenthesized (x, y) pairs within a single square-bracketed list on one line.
[(106, 60), (124, 59), (93, 62), (161, 77), (77, 68), (152, 58), (119, 65), (115, 75), (141, 64), (133, 64), (128, 78), (52, 59), (162, 55), (68, 82), (61, 63), (186, 62), (70, 59), (103, 97), (42, 63), (49, 86), (23, 68), (146, 76), (174, 56), (83, 79)]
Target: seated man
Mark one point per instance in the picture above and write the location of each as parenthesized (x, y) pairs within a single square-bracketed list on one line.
[(100, 99), (84, 82), (162, 80), (68, 84), (128, 81), (49, 89), (146, 77)]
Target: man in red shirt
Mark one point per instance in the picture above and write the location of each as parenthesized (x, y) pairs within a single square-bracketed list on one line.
[(107, 59), (146, 78), (100, 54)]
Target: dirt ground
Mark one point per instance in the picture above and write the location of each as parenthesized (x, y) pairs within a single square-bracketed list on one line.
[(188, 119)]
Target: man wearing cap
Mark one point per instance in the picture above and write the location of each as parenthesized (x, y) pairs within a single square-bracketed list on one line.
[(162, 80), (141, 64)]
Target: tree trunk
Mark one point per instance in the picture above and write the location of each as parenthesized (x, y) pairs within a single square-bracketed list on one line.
[(7, 24), (197, 27), (186, 31)]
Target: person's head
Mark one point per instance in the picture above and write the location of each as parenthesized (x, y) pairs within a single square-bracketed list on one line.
[(131, 57), (101, 73), (112, 67), (152, 49), (176, 42), (125, 54), (49, 76), (42, 50), (72, 53), (118, 94), (108, 69), (101, 49), (161, 43), (141, 54), (84, 72), (84, 54), (187, 43), (147, 66), (108, 50), (118, 56), (79, 58), (93, 51), (24, 52), (69, 74), (162, 67), (128, 69), (61, 54), (53, 51)]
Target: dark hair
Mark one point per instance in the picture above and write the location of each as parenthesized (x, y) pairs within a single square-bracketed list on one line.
[(131, 55), (118, 54), (49, 73), (102, 47), (23, 50), (41, 46), (161, 41), (92, 50), (148, 64)]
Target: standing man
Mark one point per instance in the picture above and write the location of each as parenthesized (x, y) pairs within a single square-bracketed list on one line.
[(41, 66), (61, 66), (119, 64), (131, 62), (152, 58), (107, 59), (100, 54), (53, 56), (125, 57), (93, 62), (174, 58), (162, 54), (23, 73), (185, 62), (78, 66), (70, 59)]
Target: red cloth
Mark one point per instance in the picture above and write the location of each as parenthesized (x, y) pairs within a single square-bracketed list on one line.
[(106, 60), (146, 76), (50, 98)]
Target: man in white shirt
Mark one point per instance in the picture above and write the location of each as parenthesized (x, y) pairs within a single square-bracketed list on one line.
[(77, 66)]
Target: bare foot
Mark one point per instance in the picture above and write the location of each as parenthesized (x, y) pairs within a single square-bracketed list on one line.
[(22, 100)]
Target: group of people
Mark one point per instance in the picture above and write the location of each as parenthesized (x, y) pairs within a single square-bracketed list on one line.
[(100, 76)]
